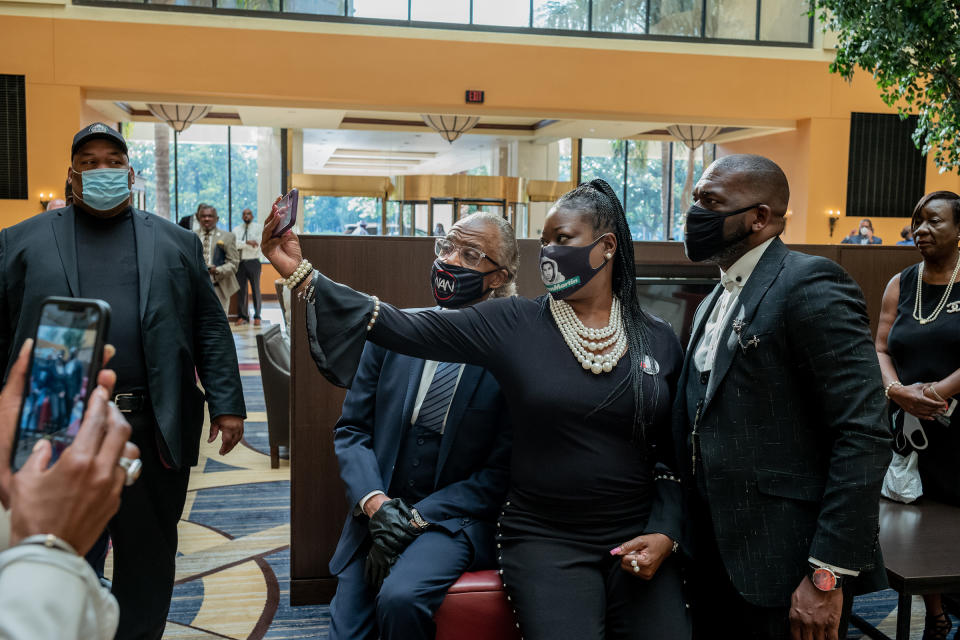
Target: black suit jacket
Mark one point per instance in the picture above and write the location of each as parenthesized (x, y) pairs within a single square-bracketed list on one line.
[(472, 474), (183, 327), (792, 435)]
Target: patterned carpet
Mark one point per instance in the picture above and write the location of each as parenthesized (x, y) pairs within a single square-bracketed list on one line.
[(233, 569)]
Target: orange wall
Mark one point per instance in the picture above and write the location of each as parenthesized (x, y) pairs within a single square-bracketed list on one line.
[(363, 72)]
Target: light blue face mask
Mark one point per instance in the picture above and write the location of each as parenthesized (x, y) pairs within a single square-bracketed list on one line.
[(104, 189)]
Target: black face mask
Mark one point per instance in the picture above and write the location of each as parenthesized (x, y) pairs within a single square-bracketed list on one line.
[(703, 232), (455, 286), (565, 269)]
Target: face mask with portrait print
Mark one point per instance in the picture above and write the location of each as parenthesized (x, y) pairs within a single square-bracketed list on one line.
[(565, 269)]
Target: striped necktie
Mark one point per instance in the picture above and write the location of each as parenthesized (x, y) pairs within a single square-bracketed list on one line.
[(433, 411)]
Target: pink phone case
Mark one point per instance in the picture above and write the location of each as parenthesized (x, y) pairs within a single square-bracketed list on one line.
[(287, 208)]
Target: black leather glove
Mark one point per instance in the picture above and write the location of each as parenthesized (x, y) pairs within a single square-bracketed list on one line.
[(392, 528)]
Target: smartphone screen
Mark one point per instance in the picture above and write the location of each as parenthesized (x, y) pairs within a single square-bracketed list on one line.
[(287, 212), (67, 355)]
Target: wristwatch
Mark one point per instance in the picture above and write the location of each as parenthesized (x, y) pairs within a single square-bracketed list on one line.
[(824, 579)]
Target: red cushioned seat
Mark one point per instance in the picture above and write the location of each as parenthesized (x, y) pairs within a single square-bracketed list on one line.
[(476, 608)]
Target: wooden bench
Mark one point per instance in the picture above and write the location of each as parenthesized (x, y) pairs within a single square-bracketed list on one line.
[(920, 549)]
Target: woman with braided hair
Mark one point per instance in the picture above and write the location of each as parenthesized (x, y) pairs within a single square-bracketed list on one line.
[(588, 536)]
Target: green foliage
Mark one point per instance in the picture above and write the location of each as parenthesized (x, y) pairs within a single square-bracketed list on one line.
[(910, 48), (202, 177)]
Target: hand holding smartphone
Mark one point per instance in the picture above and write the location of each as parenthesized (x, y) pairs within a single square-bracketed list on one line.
[(287, 212), (66, 358)]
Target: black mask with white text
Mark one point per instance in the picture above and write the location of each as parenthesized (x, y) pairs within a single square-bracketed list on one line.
[(455, 286)]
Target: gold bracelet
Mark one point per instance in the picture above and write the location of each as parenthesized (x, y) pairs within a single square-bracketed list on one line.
[(935, 394)]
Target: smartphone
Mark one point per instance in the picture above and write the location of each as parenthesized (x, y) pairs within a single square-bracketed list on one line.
[(287, 212), (67, 356)]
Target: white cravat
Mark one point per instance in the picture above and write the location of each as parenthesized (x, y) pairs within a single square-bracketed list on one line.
[(733, 281)]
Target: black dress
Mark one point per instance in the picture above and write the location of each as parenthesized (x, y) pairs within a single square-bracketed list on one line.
[(579, 486), (929, 353)]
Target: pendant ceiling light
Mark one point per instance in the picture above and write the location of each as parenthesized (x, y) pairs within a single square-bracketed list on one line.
[(692, 135), (450, 127), (178, 116)]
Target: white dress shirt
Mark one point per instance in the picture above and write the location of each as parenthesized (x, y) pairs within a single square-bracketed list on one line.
[(244, 232), (733, 281), (429, 369)]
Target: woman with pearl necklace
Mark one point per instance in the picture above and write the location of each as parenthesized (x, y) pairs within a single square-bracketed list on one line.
[(588, 538)]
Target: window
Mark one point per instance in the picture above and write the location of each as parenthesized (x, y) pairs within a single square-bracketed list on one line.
[(622, 16), (213, 164), (456, 11), (316, 7), (675, 17), (635, 171), (732, 19), (331, 214), (384, 9), (776, 22), (506, 13), (560, 14), (785, 21), (565, 160)]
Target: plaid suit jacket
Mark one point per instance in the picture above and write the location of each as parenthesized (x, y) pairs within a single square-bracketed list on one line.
[(793, 439)]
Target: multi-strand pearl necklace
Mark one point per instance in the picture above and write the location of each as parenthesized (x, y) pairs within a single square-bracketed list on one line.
[(917, 306), (586, 343)]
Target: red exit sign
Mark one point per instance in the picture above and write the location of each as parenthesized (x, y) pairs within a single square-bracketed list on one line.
[(474, 97)]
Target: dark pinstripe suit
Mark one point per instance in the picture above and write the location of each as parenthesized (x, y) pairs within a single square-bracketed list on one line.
[(792, 439)]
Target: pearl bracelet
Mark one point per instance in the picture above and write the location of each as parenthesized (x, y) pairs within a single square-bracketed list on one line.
[(886, 390), (298, 276), (376, 312)]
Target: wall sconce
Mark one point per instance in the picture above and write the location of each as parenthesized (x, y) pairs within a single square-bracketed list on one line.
[(45, 199), (832, 216)]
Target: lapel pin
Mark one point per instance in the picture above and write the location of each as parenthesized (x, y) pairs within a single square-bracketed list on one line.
[(738, 327)]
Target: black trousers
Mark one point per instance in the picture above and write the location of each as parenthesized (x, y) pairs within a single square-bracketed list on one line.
[(144, 534), (564, 584), (249, 271), (719, 611)]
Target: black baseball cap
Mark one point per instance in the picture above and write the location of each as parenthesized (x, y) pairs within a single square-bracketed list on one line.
[(97, 130)]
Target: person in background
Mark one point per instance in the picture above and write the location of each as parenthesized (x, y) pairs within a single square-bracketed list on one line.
[(906, 235), (190, 222), (918, 344), (168, 329), (439, 231), (590, 532), (248, 271), (221, 255), (398, 416), (863, 234), (360, 229), (779, 421)]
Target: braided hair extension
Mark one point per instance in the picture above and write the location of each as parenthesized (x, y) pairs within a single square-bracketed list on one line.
[(597, 199)]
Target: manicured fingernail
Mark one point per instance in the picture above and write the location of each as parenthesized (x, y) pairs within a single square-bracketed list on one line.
[(616, 551)]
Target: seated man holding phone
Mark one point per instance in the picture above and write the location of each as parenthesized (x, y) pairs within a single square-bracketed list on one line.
[(47, 590), (167, 326)]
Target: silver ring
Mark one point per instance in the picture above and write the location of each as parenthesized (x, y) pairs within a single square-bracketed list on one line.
[(133, 467)]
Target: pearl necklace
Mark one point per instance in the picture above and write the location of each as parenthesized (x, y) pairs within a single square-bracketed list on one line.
[(918, 308), (587, 343)]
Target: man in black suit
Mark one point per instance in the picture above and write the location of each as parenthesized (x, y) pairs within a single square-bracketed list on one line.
[(427, 438), (166, 325), (780, 417)]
